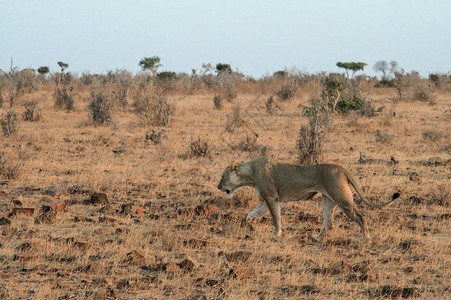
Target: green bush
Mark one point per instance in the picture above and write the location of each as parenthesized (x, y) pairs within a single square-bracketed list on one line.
[(346, 105)]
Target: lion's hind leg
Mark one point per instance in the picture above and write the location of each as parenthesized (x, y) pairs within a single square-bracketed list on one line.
[(328, 214), (257, 212)]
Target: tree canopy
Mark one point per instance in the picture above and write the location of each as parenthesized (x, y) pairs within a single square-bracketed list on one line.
[(351, 66)]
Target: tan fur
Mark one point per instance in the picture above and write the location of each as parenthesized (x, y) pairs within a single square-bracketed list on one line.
[(275, 183)]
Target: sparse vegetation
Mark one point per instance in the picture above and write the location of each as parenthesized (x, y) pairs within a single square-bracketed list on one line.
[(32, 113), (198, 148), (64, 89), (10, 123), (217, 101), (132, 210), (99, 104)]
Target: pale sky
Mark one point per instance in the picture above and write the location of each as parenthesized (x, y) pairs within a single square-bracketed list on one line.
[(256, 37)]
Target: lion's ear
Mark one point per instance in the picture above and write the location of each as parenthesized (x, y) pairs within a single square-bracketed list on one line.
[(234, 166)]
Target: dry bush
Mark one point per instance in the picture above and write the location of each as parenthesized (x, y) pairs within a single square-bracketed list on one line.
[(402, 84), (155, 136), (248, 144), (198, 148), (99, 104), (31, 113), (10, 166), (432, 135), (152, 106), (287, 90), (217, 101), (10, 123), (121, 81), (422, 91), (271, 105), (312, 136), (234, 119), (64, 95), (19, 82)]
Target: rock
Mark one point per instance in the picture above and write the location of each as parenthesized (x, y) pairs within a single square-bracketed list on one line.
[(119, 150), (408, 244), (205, 210), (170, 267), (17, 202), (392, 292), (4, 221), (211, 282), (195, 243), (47, 215), (136, 257), (126, 209), (23, 211), (59, 206), (415, 200), (188, 264), (99, 198), (4, 182), (123, 284), (24, 247), (242, 272), (306, 217), (198, 297), (106, 219), (54, 190), (242, 256), (139, 211)]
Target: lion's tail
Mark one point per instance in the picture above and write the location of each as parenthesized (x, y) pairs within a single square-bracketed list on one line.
[(351, 180)]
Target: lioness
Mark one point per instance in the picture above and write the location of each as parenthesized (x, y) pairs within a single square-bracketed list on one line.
[(280, 182)]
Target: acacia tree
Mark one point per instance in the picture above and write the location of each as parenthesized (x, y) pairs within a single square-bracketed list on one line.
[(351, 66), (43, 70), (222, 68), (150, 63)]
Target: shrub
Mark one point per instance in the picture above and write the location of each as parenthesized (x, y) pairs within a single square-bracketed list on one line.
[(432, 135), (287, 91), (217, 101), (155, 136), (31, 112), (153, 107), (10, 123), (271, 105), (423, 92), (198, 148), (10, 166), (234, 119), (167, 75), (311, 136), (248, 144), (99, 105), (64, 91), (346, 105)]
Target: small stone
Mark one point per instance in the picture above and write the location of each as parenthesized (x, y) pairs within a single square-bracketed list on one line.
[(23, 211), (126, 209), (242, 272), (139, 211), (99, 198), (119, 150), (136, 257), (5, 221), (188, 264)]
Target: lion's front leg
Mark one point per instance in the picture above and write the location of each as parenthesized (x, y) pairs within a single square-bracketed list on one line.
[(274, 209), (259, 211)]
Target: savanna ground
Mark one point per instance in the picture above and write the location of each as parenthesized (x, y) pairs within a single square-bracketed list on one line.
[(167, 232)]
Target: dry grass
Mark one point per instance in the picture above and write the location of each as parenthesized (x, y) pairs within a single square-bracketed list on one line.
[(167, 232)]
